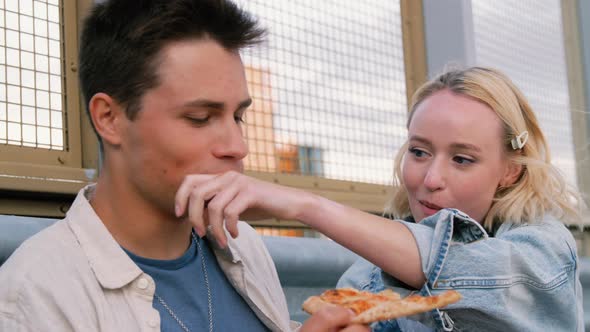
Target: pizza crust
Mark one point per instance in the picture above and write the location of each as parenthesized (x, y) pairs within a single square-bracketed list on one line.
[(373, 307), (313, 304)]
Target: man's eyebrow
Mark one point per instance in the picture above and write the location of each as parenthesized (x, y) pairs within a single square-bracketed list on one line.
[(216, 105)]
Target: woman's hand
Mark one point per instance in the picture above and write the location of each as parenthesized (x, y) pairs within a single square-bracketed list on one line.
[(217, 201), (212, 202)]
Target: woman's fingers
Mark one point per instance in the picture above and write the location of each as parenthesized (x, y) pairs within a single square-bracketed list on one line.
[(216, 210), (192, 197), (217, 201), (185, 191), (196, 207), (203, 198), (240, 203)]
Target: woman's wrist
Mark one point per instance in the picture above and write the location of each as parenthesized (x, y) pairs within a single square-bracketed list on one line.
[(308, 207)]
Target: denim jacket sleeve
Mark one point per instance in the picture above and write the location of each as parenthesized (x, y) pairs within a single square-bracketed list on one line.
[(524, 278)]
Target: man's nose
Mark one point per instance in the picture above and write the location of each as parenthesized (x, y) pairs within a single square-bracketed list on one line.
[(231, 143)]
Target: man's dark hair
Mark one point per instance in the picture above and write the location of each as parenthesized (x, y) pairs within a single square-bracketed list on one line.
[(122, 39)]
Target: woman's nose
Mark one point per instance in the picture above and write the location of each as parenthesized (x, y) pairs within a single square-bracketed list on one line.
[(434, 179)]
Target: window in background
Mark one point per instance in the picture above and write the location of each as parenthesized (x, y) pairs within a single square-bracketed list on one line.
[(302, 160), (310, 161), (31, 77)]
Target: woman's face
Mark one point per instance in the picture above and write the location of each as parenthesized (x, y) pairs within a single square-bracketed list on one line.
[(455, 157)]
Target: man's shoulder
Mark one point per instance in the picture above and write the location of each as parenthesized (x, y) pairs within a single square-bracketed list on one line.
[(47, 277), (49, 253)]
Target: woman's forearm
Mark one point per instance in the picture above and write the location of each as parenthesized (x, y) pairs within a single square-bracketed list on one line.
[(386, 243)]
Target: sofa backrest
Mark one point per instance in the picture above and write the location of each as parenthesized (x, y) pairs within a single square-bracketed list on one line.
[(14, 230), (306, 267)]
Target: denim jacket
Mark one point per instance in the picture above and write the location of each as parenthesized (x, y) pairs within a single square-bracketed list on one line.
[(524, 278)]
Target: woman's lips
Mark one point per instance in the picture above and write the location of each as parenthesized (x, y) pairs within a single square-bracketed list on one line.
[(430, 208), (430, 205)]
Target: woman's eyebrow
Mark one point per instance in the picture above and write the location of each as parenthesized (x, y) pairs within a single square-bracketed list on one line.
[(465, 146), (420, 139), (455, 146)]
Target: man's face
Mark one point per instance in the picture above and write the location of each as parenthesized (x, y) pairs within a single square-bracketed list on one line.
[(190, 123)]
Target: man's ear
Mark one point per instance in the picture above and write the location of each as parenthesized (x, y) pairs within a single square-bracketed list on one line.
[(511, 175), (108, 117)]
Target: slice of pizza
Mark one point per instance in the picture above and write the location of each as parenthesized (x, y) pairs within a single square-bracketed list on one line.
[(372, 307)]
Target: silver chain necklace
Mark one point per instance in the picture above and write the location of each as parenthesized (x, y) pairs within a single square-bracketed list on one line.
[(209, 302)]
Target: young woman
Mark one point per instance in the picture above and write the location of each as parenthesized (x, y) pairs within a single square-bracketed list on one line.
[(479, 209)]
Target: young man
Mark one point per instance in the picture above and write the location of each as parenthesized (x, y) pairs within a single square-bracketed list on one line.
[(166, 92)]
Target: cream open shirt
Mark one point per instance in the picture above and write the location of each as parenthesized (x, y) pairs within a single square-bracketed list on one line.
[(73, 276)]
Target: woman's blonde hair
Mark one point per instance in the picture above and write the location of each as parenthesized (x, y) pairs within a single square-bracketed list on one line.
[(540, 189)]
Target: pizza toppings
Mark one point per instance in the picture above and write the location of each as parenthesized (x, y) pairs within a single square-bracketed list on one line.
[(371, 307)]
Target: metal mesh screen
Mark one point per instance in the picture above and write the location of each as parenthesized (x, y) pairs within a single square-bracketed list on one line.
[(328, 89), (525, 40), (31, 76)]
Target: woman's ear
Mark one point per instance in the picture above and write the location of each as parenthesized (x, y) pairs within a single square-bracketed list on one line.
[(511, 175), (107, 116)]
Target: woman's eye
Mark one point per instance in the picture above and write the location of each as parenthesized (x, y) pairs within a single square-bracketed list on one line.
[(462, 160), (417, 152)]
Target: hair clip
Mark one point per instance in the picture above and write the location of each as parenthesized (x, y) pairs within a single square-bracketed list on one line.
[(519, 141)]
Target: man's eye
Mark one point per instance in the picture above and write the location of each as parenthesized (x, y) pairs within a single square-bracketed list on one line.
[(239, 119), (198, 121)]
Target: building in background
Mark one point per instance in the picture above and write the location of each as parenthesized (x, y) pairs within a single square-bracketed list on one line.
[(258, 128), (336, 75)]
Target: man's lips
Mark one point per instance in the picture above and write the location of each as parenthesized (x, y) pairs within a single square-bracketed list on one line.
[(430, 205)]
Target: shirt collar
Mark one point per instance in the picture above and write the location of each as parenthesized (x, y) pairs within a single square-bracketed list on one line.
[(231, 252), (111, 266)]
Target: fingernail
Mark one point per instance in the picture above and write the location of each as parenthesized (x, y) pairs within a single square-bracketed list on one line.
[(177, 210), (221, 244)]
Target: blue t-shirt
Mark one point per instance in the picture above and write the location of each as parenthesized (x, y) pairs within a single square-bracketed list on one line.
[(181, 284)]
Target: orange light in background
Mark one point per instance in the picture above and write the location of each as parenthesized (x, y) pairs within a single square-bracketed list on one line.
[(278, 231)]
